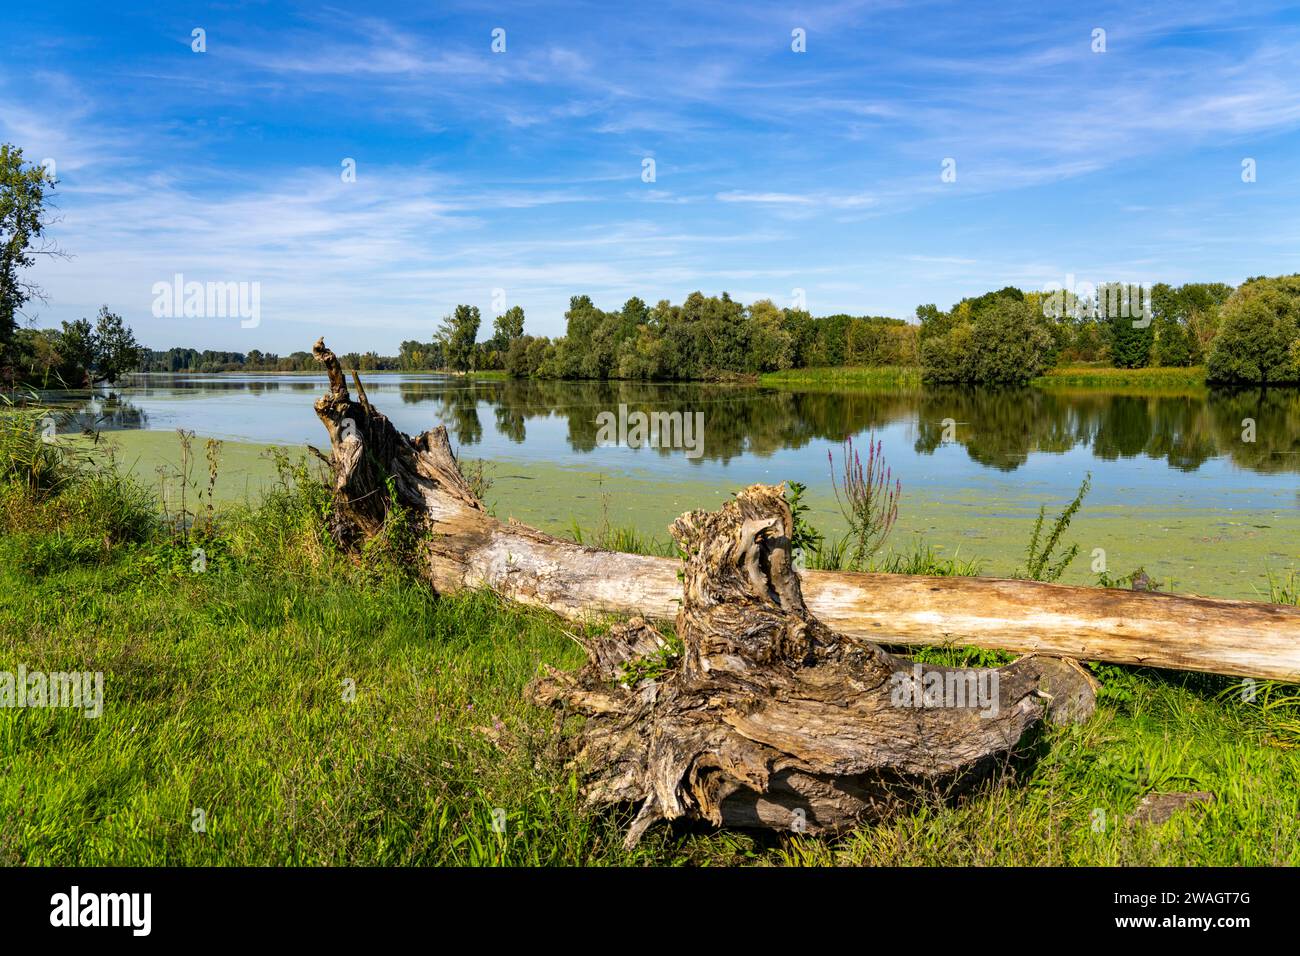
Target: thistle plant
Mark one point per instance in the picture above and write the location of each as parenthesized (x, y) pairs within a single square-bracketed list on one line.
[(1038, 556), (868, 497)]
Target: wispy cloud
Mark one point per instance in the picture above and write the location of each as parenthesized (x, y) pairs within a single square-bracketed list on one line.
[(523, 170)]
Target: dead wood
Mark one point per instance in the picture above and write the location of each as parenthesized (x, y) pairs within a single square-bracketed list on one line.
[(764, 717)]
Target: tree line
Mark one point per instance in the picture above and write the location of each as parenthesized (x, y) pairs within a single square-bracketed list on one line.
[(1249, 335)]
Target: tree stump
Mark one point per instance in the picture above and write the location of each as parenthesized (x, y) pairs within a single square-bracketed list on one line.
[(764, 717)]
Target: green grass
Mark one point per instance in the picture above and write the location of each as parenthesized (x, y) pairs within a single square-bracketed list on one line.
[(1071, 376), (228, 691), (1139, 379), (845, 376)]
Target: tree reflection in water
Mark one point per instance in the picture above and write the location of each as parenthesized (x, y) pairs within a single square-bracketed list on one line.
[(998, 429)]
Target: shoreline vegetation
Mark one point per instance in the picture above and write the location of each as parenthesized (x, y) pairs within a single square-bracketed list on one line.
[(1118, 336), (405, 731), (1098, 376), (1092, 375), (1113, 334)]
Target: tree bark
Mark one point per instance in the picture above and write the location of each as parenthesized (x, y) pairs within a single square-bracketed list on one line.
[(381, 476), (765, 717)]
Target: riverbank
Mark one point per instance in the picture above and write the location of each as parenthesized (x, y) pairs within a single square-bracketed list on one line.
[(844, 376), (1190, 380), (1073, 376), (485, 374), (841, 376)]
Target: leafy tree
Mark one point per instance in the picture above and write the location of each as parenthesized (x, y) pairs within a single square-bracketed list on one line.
[(1175, 346), (644, 357), (770, 345), (1199, 306), (76, 348), (1186, 320), (932, 322), (802, 329), (1129, 340), (24, 193), (1256, 344), (517, 364), (507, 327), (634, 315), (108, 349), (1000, 339), (591, 342), (36, 356), (116, 350), (416, 356), (1011, 342), (949, 358), (457, 335)]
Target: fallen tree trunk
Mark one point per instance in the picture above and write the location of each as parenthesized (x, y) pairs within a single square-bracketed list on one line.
[(465, 547)]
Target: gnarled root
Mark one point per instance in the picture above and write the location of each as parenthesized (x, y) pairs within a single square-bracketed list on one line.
[(764, 717)]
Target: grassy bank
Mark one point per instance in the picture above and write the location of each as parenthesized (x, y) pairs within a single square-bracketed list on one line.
[(320, 709), (1073, 376), (1138, 379), (845, 376), (851, 376)]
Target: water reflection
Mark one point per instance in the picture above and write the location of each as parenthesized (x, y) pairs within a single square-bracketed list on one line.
[(86, 412), (998, 430)]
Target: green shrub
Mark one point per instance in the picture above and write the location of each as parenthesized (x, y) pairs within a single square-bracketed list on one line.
[(1258, 335), (27, 457), (1175, 346), (1005, 342), (1129, 341)]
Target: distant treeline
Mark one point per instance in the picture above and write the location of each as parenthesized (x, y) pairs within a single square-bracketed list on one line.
[(1246, 335), (707, 337)]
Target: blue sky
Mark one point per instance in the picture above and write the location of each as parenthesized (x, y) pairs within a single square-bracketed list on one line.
[(522, 171)]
